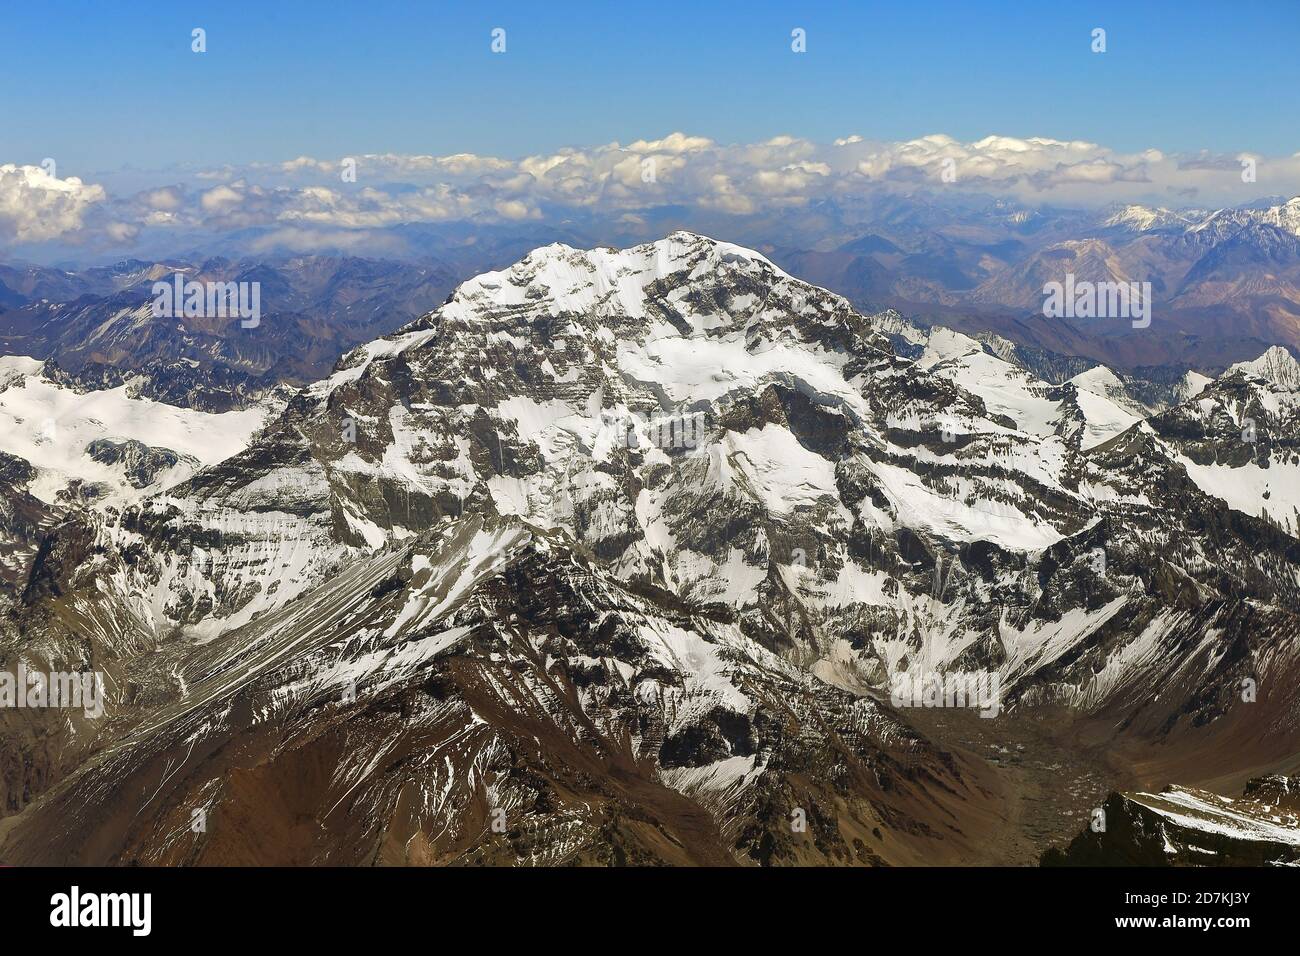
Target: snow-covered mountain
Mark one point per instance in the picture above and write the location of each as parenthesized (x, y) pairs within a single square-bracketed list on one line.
[(1091, 407), (63, 447), (1277, 367), (110, 441), (1139, 218), (680, 520), (1187, 827), (1223, 222)]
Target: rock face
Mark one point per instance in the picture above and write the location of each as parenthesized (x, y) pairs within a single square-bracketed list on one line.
[(1182, 827), (23, 519), (140, 463), (634, 546), (482, 694)]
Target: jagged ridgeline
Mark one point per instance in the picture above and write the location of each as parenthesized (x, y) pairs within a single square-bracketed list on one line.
[(614, 558)]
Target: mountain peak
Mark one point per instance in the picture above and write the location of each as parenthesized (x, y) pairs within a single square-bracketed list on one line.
[(1276, 365), (564, 279), (1141, 218)]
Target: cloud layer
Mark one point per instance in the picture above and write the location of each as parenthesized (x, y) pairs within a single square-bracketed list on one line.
[(306, 196)]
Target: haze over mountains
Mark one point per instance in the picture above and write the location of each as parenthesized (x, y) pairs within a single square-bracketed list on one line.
[(98, 325), (1224, 281), (1225, 286), (463, 577)]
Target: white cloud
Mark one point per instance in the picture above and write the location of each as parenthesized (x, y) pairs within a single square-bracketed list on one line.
[(672, 143), (221, 198), (163, 199), (777, 173), (122, 232), (620, 182), (35, 206), (514, 209)]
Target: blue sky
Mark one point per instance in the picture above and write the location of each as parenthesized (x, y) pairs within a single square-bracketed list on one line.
[(104, 85)]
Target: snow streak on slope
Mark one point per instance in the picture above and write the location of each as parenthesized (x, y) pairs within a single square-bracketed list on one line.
[(484, 667), (1182, 826)]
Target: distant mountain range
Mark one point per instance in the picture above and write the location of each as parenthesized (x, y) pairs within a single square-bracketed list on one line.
[(99, 329), (1226, 283)]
